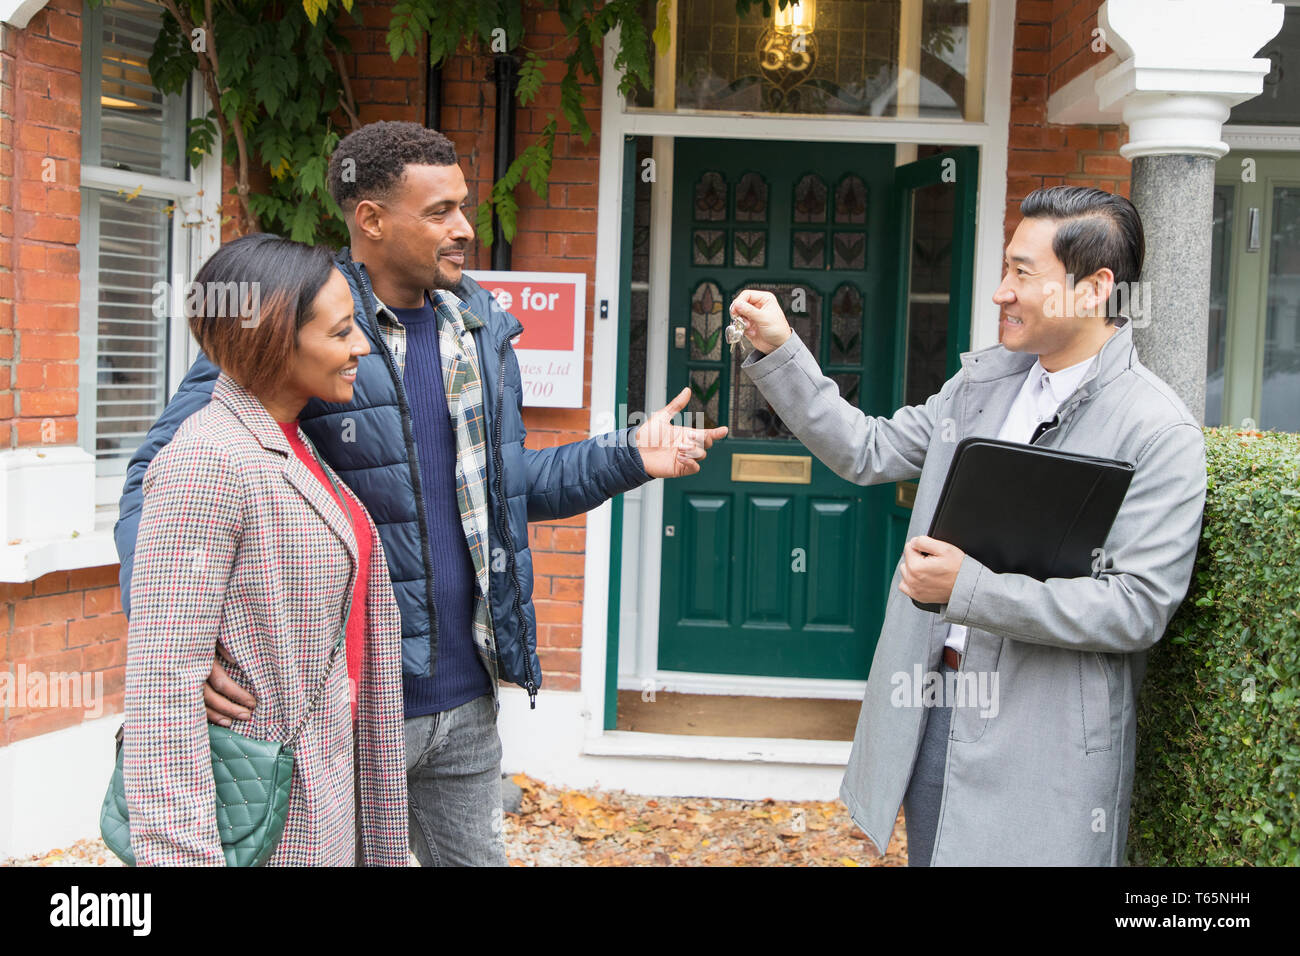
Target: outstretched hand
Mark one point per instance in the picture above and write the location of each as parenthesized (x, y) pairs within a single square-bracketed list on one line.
[(672, 451)]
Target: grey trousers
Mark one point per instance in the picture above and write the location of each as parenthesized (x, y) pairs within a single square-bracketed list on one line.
[(925, 788), (453, 779)]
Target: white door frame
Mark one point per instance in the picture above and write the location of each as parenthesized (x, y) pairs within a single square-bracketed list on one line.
[(639, 606)]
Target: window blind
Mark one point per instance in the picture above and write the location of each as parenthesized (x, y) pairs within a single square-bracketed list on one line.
[(137, 128), (134, 253)]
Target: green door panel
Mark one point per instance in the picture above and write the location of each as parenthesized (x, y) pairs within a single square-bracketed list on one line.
[(704, 575), (831, 545)]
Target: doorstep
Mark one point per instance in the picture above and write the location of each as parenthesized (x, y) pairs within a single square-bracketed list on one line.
[(774, 750)]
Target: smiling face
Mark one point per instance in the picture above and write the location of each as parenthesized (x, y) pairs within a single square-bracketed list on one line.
[(1039, 313), (324, 363), (419, 234)]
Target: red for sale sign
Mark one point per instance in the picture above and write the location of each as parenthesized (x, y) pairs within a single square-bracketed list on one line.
[(552, 308)]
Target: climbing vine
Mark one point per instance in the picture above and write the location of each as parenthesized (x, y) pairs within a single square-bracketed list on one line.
[(275, 70)]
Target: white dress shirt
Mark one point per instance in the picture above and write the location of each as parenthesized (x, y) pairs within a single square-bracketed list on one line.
[(1037, 401)]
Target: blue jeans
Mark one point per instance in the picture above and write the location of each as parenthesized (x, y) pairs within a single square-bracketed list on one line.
[(925, 788), (453, 775)]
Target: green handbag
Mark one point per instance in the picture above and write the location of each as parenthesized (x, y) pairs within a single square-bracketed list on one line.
[(252, 779)]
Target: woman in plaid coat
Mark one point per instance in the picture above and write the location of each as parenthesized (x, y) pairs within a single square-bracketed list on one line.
[(245, 547)]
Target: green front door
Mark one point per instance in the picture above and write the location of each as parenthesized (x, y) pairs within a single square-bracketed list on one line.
[(773, 565), (769, 566)]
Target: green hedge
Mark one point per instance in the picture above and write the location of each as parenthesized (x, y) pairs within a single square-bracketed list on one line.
[(1218, 773)]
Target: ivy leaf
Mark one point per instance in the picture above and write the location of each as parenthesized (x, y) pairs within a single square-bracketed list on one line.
[(171, 61), (663, 26), (311, 179), (202, 137), (231, 101), (314, 8), (530, 79), (514, 22), (271, 80), (483, 222), (303, 226), (540, 155), (571, 104), (634, 51), (507, 213)]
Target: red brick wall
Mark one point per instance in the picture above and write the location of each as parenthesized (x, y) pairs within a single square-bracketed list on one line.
[(68, 621), (39, 264), (7, 248), (65, 621), (1073, 22), (1052, 45)]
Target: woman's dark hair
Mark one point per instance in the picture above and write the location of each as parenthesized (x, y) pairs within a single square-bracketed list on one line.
[(369, 162), (249, 300), (1095, 230)]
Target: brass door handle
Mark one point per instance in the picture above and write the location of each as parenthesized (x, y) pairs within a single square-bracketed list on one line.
[(905, 494)]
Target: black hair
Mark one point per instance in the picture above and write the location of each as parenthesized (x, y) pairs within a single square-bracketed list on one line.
[(1095, 230), (368, 163)]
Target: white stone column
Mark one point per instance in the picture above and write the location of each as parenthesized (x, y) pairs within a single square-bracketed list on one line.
[(1183, 65)]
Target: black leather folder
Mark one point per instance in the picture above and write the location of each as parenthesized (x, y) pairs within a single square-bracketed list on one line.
[(1022, 509)]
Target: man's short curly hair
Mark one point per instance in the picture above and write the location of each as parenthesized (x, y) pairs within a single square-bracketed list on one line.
[(368, 163)]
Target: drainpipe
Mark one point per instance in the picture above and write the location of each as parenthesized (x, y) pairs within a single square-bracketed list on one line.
[(507, 78), (433, 97)]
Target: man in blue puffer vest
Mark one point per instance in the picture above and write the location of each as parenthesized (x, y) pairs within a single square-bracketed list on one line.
[(433, 443)]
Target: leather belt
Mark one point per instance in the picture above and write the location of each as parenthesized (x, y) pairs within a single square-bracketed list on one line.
[(951, 657)]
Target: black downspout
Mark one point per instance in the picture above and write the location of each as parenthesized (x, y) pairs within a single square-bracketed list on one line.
[(433, 98), (507, 78)]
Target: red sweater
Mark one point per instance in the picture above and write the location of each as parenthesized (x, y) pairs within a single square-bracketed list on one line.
[(356, 632)]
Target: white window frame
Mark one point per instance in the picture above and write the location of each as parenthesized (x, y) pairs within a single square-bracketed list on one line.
[(195, 235)]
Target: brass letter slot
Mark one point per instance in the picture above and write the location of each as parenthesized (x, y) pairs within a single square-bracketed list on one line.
[(782, 469), (905, 493)]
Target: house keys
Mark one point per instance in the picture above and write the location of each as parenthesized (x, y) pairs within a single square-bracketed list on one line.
[(734, 333)]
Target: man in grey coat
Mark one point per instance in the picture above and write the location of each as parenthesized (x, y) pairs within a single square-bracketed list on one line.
[(1033, 764)]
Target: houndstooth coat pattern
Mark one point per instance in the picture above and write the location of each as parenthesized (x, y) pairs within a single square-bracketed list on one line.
[(241, 545)]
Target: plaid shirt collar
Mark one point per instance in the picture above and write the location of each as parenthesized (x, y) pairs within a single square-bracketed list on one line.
[(449, 307)]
